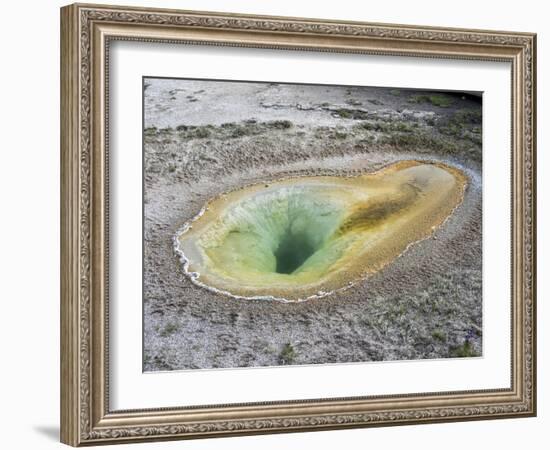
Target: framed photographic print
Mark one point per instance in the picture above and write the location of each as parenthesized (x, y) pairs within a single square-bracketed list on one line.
[(278, 224)]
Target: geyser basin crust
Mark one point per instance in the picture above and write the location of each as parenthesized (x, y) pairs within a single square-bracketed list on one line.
[(306, 237)]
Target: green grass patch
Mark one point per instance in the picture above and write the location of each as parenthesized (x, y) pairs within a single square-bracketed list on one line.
[(230, 129), (441, 101), (354, 114), (338, 135), (439, 335), (169, 329), (150, 131), (279, 124), (465, 350), (388, 126), (467, 116), (287, 355), (424, 141), (464, 123)]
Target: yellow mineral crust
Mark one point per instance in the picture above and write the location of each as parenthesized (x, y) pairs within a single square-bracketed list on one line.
[(305, 237)]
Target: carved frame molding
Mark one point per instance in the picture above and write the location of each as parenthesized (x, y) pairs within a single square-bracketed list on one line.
[(86, 31)]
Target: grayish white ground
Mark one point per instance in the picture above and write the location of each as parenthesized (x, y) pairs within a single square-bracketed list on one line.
[(203, 138)]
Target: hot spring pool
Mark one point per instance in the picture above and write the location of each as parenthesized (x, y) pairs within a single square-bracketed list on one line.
[(305, 237)]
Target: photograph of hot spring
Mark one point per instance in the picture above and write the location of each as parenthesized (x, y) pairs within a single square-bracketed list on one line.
[(293, 224)]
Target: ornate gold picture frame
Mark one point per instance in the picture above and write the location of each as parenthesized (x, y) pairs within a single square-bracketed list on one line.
[(87, 31)]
